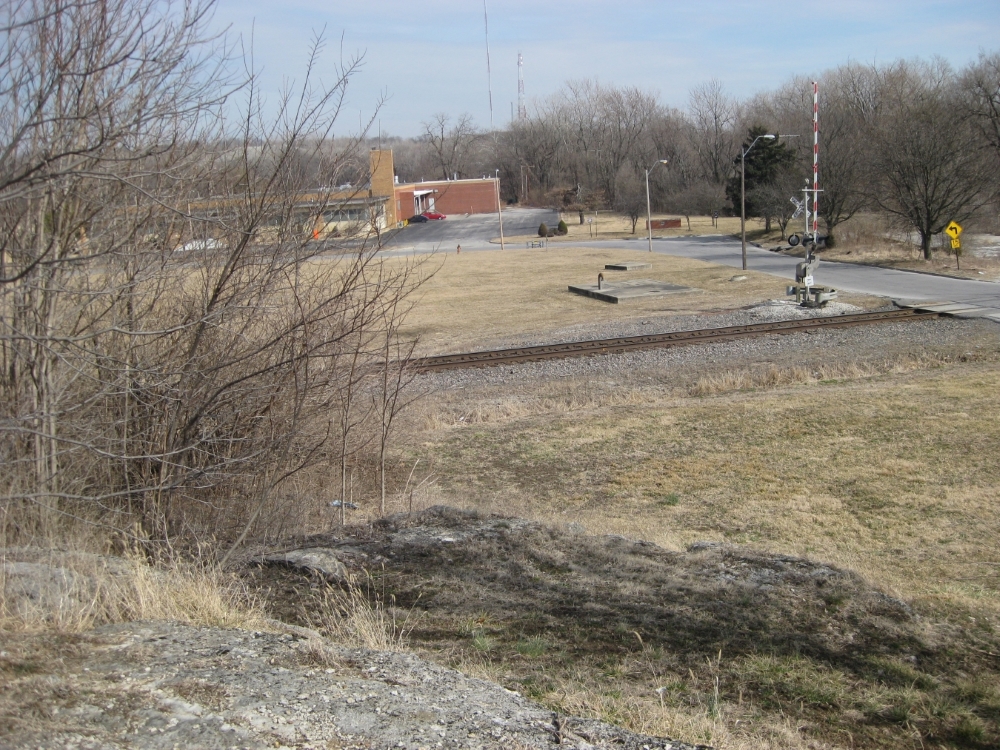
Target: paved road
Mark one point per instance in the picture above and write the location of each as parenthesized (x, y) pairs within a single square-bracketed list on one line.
[(472, 232), (843, 276)]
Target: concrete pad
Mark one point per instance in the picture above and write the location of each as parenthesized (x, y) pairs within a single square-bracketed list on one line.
[(977, 312), (919, 303), (629, 265), (950, 308), (962, 310), (620, 291)]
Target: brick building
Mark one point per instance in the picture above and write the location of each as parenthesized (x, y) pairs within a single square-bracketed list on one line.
[(443, 196)]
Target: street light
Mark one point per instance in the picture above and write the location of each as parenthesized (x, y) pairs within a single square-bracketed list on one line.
[(649, 219), (743, 192)]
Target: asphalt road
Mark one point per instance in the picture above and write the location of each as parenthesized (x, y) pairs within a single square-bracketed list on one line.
[(472, 232), (882, 282)]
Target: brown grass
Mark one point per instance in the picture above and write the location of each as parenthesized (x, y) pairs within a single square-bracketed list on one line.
[(360, 616), (883, 466), (773, 376), (880, 463), (126, 590), (890, 474), (477, 300)]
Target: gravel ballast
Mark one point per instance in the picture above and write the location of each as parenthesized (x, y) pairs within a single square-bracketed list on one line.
[(876, 343)]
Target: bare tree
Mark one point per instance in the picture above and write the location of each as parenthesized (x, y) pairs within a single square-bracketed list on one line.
[(454, 146), (715, 134), (630, 195), (929, 168), (394, 374), (980, 97), (844, 157), (607, 127)]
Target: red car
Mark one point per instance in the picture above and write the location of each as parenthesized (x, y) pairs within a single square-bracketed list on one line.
[(433, 215)]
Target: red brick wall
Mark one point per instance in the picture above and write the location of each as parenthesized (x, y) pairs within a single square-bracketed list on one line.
[(404, 203), (452, 197)]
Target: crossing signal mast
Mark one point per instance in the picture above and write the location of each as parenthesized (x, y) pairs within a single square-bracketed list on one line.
[(805, 290), (522, 110), (816, 190)]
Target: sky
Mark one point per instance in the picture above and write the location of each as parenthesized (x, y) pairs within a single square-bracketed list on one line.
[(419, 59)]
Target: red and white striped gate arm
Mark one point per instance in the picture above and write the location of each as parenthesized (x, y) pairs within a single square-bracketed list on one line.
[(815, 161)]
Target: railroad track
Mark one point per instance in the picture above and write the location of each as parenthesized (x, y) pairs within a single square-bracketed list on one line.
[(517, 355)]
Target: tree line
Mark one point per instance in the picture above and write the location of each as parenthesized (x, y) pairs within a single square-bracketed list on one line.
[(915, 140)]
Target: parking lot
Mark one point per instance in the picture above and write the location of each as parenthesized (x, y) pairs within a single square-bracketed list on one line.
[(472, 231)]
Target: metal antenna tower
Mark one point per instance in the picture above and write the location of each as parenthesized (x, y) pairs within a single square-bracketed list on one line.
[(522, 110), (489, 74)]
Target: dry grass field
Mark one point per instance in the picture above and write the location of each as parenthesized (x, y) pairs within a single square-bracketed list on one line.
[(476, 300), (887, 470)]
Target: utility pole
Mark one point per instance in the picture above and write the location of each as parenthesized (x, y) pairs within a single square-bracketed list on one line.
[(489, 74), (649, 216)]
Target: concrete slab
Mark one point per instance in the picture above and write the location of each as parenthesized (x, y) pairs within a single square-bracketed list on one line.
[(977, 312), (629, 265), (963, 310), (953, 307), (919, 303), (621, 291)]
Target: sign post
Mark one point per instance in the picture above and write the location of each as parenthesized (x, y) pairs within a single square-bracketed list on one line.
[(954, 230)]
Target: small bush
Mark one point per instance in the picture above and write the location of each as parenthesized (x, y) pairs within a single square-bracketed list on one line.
[(543, 231), (483, 642), (533, 647), (562, 228)]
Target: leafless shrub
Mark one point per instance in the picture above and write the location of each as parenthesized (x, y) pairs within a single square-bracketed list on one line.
[(173, 340)]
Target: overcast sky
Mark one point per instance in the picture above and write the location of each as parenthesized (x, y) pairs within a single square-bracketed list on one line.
[(429, 57)]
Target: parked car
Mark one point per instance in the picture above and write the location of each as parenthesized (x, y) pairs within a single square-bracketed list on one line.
[(434, 215), (418, 219)]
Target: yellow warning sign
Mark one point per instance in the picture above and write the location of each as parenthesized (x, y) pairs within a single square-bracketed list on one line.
[(953, 230), (956, 244)]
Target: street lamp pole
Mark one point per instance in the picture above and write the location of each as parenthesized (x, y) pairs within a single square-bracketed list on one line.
[(649, 218), (743, 193), (743, 189)]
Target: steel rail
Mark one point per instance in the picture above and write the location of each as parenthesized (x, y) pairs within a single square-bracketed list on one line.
[(517, 355)]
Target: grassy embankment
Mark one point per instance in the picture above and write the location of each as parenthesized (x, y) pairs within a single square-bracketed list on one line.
[(885, 469)]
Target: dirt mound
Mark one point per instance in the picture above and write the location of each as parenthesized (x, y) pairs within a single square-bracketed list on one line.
[(625, 630), (459, 564)]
